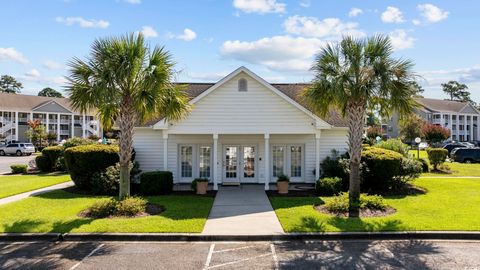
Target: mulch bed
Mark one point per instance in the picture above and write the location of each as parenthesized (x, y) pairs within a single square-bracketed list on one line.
[(364, 213), (405, 191), (150, 210)]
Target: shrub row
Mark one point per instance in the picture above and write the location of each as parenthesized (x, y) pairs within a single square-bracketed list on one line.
[(339, 204), (19, 168), (129, 207)]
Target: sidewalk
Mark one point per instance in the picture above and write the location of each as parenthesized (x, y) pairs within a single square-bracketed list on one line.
[(242, 210), (24, 195)]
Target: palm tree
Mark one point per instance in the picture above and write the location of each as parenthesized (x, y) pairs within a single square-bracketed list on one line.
[(127, 83), (355, 75)]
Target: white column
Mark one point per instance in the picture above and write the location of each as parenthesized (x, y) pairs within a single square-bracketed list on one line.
[(317, 155), (47, 121), (83, 126), (458, 127), (98, 127), (471, 127), (451, 125), (30, 116), (478, 127), (16, 126), (165, 150), (73, 126), (465, 132), (215, 161), (266, 159), (58, 127)]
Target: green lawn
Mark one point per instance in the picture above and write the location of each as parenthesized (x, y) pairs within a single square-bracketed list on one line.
[(57, 212), (458, 169), (449, 204), (15, 184)]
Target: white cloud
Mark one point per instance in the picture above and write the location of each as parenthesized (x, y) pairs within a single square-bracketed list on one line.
[(148, 32), (133, 1), (13, 55), (188, 35), (432, 13), (281, 53), (416, 22), (305, 3), (84, 23), (401, 40), (49, 64), (313, 27), (392, 15), (354, 12), (35, 76), (259, 6)]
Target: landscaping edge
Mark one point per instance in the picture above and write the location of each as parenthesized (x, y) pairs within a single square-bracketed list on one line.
[(146, 237)]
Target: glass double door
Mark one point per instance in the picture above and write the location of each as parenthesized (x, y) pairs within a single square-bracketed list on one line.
[(239, 163)]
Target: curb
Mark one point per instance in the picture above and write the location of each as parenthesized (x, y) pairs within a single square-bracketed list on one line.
[(162, 237)]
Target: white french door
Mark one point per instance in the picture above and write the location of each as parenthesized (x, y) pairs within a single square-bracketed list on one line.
[(240, 163), (288, 160)]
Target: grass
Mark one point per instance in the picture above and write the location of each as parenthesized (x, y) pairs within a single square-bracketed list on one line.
[(449, 204), (57, 212), (15, 184), (458, 169)]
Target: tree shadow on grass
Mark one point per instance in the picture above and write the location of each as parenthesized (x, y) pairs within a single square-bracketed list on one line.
[(289, 202), (358, 225), (356, 254), (309, 224), (30, 225), (47, 255)]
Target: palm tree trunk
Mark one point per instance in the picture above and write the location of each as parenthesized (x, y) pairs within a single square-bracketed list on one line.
[(126, 123), (356, 112)]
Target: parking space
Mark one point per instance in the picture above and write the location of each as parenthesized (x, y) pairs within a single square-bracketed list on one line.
[(296, 255), (6, 161)]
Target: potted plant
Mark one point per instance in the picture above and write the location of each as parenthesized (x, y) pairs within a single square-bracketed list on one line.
[(282, 184), (200, 185)]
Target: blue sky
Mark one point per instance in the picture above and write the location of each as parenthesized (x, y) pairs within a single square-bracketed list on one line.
[(277, 39)]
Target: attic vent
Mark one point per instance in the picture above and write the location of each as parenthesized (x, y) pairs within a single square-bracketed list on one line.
[(242, 85)]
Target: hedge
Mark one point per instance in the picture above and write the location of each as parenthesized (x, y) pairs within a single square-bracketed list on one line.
[(380, 168), (52, 153), (437, 156), (85, 160), (19, 168), (43, 163), (156, 183)]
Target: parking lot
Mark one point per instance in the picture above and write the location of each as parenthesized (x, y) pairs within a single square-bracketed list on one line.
[(6, 161), (411, 254)]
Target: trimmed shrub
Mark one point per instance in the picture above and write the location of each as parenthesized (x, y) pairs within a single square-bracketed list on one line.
[(339, 203), (425, 166), (106, 182), (60, 165), (19, 168), (85, 160), (395, 145), (328, 186), (335, 166), (155, 183), (131, 206), (380, 168), (437, 156), (411, 169), (76, 141), (103, 208), (52, 153), (43, 163)]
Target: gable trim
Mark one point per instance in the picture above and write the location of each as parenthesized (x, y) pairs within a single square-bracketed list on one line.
[(48, 103), (320, 123), (471, 106)]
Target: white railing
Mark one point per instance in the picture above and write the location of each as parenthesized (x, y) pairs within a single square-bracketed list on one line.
[(65, 132)]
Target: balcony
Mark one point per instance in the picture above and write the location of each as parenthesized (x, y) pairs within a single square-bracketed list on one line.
[(65, 132), (436, 121)]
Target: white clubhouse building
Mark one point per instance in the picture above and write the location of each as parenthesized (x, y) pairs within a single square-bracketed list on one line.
[(242, 129)]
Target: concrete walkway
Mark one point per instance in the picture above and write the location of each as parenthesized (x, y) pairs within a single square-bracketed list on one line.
[(24, 195), (242, 210)]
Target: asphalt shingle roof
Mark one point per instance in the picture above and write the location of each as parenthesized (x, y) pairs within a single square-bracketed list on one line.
[(440, 105)]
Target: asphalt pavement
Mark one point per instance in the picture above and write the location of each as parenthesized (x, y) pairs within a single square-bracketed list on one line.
[(6, 161), (346, 254)]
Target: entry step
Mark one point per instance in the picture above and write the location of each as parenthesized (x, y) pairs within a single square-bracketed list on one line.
[(231, 184)]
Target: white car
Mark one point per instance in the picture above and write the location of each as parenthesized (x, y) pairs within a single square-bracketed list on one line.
[(18, 149), (422, 145)]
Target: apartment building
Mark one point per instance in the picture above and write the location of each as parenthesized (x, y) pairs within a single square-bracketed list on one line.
[(56, 114), (461, 118)]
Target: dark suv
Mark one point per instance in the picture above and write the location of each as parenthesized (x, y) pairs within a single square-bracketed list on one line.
[(452, 146), (466, 155)]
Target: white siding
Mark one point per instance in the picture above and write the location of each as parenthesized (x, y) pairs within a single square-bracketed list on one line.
[(258, 110), (333, 139), (148, 146)]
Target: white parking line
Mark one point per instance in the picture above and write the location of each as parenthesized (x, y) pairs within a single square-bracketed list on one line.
[(274, 255), (86, 257), (232, 249), (209, 256), (239, 261)]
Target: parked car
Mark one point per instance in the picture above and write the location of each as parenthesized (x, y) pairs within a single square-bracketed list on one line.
[(452, 146), (469, 144), (422, 145), (466, 155), (18, 149)]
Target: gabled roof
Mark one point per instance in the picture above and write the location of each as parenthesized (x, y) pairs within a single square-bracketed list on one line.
[(440, 105), (289, 91), (49, 102)]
